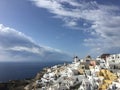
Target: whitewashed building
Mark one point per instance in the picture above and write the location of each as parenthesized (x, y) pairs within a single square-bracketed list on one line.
[(95, 69), (114, 58), (75, 59), (71, 72), (85, 85)]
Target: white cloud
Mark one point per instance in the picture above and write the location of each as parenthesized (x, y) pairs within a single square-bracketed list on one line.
[(102, 21), (16, 46)]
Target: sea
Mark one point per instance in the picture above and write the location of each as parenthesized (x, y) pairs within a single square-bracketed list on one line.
[(22, 70)]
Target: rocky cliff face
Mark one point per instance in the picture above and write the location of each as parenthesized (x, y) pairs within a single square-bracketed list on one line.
[(21, 84), (32, 84), (14, 85)]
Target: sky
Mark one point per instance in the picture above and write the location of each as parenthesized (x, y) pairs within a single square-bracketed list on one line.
[(52, 30)]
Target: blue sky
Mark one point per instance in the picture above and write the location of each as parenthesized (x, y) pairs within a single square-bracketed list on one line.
[(61, 28)]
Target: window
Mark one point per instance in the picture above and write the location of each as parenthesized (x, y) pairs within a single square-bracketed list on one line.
[(83, 67), (113, 60)]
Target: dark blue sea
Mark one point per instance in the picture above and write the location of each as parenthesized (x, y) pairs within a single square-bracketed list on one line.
[(21, 70)]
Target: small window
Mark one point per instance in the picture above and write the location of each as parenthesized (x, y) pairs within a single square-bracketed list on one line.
[(82, 67), (113, 60)]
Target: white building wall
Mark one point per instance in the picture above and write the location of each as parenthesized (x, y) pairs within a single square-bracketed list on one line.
[(115, 58)]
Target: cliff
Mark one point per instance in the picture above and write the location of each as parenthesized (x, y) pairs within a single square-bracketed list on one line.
[(20, 84)]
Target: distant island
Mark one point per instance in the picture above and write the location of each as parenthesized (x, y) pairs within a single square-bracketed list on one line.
[(101, 73)]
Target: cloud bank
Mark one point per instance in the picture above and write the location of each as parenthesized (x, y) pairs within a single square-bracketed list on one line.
[(101, 21), (16, 46)]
